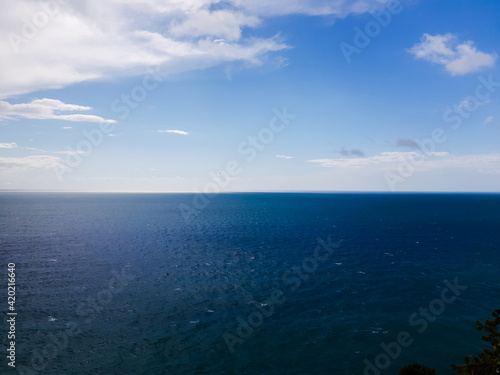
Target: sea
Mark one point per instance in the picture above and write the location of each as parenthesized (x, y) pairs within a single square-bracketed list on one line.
[(246, 283)]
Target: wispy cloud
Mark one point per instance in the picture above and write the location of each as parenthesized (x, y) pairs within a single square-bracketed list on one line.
[(339, 8), (70, 152), (458, 58), (408, 143), (354, 152), (16, 165), (484, 163), (226, 24), (181, 132), (34, 149), (284, 157), (488, 119), (380, 159), (45, 109), (67, 127), (8, 145)]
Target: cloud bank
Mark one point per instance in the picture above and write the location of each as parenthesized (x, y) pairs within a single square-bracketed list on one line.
[(54, 43), (433, 161)]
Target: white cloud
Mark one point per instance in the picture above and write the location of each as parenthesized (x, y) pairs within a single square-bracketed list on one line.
[(458, 58), (34, 149), (339, 8), (45, 109), (181, 132), (382, 158), (284, 156), (16, 165), (70, 152), (90, 39), (488, 119), (8, 145), (222, 23), (484, 163), (67, 127)]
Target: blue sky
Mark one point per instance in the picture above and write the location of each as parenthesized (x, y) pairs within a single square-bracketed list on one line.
[(202, 95)]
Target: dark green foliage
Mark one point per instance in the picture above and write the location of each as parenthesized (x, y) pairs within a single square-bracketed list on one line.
[(416, 369), (488, 362)]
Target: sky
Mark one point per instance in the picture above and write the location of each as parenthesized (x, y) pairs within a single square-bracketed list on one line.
[(250, 95)]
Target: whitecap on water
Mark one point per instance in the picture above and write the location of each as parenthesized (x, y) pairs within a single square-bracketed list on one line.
[(51, 319)]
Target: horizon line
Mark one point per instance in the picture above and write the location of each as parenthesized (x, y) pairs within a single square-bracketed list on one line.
[(249, 192)]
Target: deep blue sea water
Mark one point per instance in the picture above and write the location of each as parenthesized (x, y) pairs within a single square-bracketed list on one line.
[(123, 284)]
